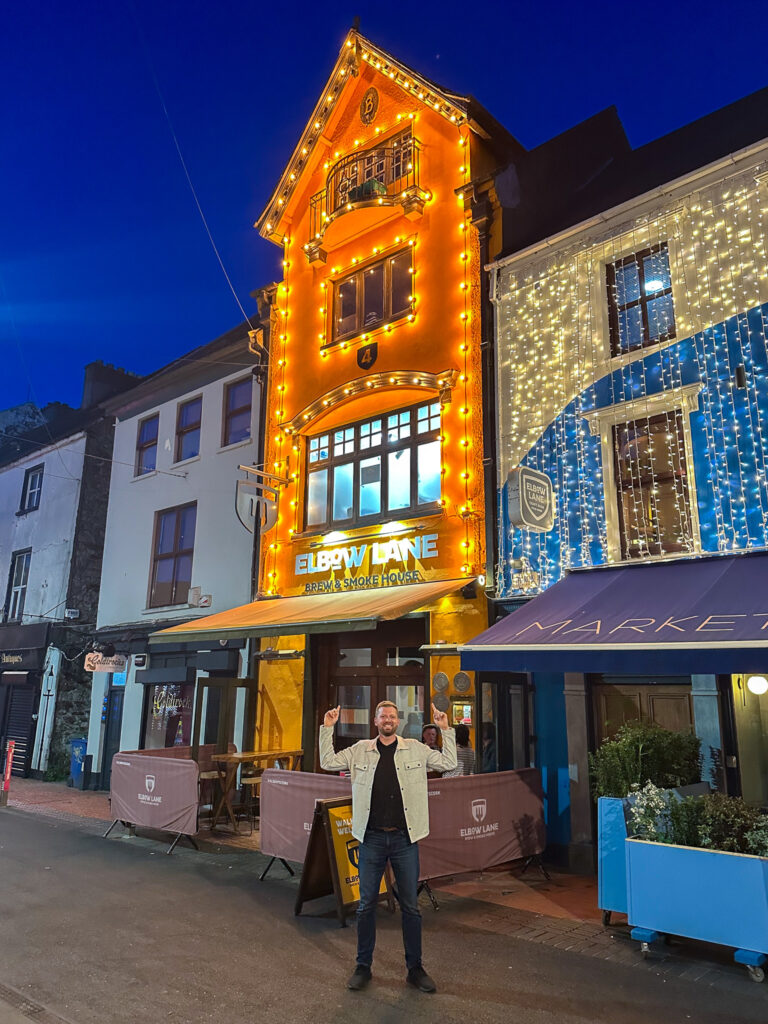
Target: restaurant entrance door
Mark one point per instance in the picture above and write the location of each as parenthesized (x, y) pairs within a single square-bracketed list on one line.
[(358, 670)]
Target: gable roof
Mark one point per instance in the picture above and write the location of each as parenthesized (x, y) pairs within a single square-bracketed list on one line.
[(355, 51)]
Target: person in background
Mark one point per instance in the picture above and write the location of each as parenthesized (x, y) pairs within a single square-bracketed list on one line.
[(490, 761), (465, 755), (412, 728), (430, 736)]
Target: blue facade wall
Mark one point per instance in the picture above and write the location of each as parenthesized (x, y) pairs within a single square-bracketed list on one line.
[(729, 435)]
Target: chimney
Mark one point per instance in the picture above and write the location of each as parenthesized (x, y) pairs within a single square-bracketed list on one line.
[(102, 381)]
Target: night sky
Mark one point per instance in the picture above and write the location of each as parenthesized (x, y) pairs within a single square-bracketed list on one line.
[(103, 254)]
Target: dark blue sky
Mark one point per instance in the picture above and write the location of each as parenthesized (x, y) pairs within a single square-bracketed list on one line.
[(102, 251)]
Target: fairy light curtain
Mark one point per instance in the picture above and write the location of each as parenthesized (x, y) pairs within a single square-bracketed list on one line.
[(656, 450)]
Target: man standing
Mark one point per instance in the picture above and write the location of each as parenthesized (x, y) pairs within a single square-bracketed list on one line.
[(390, 814)]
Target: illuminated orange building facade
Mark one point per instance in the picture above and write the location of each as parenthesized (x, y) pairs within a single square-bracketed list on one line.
[(374, 430)]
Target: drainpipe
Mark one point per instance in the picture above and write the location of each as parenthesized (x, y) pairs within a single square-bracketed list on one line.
[(481, 209), (259, 345)]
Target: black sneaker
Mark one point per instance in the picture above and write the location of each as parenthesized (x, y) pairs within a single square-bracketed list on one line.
[(360, 978), (419, 978)]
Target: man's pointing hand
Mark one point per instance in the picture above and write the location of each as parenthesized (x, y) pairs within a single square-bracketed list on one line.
[(332, 716)]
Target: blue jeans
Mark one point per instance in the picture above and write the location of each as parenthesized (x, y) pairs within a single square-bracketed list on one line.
[(378, 848)]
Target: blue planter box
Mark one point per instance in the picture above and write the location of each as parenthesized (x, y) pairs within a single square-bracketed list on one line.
[(701, 894), (611, 857)]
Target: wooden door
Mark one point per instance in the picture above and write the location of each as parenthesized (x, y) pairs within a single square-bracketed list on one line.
[(669, 706), (358, 670)]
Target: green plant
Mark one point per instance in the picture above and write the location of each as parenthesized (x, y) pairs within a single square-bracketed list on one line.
[(684, 821), (725, 823), (757, 838), (713, 821), (641, 752)]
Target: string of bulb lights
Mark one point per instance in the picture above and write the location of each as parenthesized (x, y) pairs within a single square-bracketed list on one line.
[(708, 465), (287, 426)]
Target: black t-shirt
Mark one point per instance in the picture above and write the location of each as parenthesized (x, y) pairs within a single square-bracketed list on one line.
[(386, 798)]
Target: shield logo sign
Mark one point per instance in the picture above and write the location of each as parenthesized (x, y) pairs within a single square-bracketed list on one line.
[(149, 782), (353, 852), (366, 356), (478, 810)]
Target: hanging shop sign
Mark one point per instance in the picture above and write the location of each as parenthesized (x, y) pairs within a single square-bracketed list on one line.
[(382, 563), (21, 661), (531, 501), (95, 661)]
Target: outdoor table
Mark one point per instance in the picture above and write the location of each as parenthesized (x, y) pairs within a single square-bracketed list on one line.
[(226, 767)]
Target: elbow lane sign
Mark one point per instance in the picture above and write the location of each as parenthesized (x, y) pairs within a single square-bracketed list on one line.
[(531, 504)]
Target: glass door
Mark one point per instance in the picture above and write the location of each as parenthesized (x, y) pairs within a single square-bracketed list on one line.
[(355, 716)]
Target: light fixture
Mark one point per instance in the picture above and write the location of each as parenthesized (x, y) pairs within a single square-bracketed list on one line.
[(757, 685), (273, 654), (439, 648)]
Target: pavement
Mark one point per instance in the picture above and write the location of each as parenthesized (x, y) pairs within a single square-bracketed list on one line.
[(500, 910), (112, 931)]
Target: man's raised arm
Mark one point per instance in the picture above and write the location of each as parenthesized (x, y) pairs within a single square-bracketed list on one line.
[(330, 761), (444, 760)]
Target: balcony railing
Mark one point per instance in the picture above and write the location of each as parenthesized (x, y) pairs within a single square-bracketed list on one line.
[(385, 176)]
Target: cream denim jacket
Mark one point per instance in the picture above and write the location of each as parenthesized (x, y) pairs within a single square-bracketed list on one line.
[(413, 760)]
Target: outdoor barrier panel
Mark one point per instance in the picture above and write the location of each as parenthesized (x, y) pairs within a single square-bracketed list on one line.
[(155, 792), (287, 807), (475, 821)]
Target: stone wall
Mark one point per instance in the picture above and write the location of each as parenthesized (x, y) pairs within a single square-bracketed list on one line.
[(73, 698)]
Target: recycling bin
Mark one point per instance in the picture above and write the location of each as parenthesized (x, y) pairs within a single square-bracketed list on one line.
[(77, 750)]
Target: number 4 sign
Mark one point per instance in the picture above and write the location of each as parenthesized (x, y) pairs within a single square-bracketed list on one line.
[(366, 356)]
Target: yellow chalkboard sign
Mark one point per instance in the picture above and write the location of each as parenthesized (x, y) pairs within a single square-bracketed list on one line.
[(332, 860)]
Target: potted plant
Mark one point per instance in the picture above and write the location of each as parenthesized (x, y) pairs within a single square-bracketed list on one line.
[(698, 868), (639, 753)]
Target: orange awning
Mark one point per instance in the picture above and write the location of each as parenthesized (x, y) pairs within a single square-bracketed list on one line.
[(315, 613)]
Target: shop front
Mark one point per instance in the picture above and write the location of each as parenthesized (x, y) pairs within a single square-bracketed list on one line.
[(682, 643), (22, 658), (351, 649), (157, 699)]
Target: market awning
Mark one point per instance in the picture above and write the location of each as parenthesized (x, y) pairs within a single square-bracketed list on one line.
[(314, 613), (699, 615)]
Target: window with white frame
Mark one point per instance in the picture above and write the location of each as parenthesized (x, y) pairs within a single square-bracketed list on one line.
[(17, 585), (381, 468), (640, 304), (33, 486)]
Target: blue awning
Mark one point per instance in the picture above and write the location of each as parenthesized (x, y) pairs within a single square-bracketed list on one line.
[(697, 615)]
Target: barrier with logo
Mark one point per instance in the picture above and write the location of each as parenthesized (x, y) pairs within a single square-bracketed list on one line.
[(287, 808), (160, 793), (332, 858), (475, 821)]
